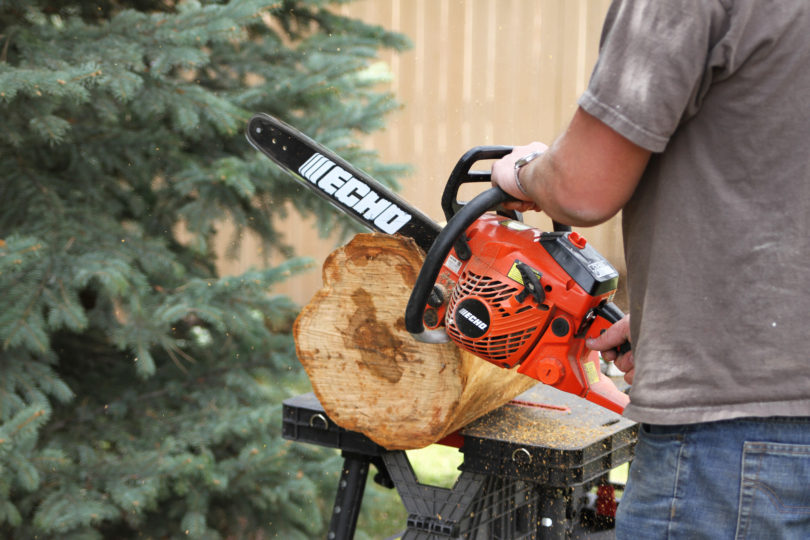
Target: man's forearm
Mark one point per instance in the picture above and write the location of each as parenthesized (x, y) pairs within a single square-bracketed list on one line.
[(583, 179)]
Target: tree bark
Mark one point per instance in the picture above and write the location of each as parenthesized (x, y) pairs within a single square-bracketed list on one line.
[(368, 372)]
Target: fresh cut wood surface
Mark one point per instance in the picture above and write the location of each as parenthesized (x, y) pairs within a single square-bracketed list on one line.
[(369, 373)]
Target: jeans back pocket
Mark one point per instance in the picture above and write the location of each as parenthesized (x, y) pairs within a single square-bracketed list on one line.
[(775, 491)]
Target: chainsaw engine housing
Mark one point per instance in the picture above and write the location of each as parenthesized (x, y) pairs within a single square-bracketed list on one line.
[(523, 297)]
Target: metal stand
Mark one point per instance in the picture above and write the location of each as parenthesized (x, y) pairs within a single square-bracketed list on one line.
[(517, 481)]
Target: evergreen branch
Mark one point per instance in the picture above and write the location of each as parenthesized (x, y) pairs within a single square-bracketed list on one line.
[(22, 320), (4, 52), (211, 377), (27, 421), (171, 352)]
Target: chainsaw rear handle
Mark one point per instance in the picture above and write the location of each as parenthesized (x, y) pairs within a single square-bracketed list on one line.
[(611, 313)]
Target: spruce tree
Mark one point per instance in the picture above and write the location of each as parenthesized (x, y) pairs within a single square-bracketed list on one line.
[(139, 390)]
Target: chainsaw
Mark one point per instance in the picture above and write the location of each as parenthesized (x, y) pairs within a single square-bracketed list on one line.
[(509, 293)]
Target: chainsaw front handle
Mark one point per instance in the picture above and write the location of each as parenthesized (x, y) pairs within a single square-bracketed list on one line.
[(464, 174), (439, 251)]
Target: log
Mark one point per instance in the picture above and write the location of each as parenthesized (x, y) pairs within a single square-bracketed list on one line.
[(368, 372)]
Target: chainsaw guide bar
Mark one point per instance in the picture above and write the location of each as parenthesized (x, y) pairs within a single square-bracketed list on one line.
[(345, 186)]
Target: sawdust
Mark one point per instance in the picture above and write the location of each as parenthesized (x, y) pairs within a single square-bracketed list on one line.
[(537, 427)]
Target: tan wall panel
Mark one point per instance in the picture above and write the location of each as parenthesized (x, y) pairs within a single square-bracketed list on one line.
[(480, 72)]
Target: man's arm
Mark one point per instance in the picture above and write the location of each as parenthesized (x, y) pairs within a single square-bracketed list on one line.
[(583, 179)]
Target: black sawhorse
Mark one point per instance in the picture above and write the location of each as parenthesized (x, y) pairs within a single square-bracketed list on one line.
[(527, 469)]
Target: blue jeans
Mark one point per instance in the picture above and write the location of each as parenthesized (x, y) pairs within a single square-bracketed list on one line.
[(741, 479)]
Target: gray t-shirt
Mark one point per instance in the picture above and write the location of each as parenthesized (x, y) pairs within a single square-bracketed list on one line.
[(717, 234)]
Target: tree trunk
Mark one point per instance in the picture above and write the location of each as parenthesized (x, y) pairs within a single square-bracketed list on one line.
[(369, 374)]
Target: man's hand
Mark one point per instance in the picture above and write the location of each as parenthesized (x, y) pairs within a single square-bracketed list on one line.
[(609, 341), (503, 176)]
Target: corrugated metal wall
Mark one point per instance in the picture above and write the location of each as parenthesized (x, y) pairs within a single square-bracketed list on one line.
[(480, 72)]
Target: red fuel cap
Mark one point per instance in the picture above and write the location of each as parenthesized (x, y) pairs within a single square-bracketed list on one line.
[(577, 240)]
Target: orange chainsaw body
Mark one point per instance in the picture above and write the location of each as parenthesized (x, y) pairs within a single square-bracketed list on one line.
[(491, 306)]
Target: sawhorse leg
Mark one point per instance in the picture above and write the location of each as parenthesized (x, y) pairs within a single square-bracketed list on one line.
[(556, 511), (349, 497)]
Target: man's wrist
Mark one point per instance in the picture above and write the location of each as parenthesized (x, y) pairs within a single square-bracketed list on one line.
[(519, 164)]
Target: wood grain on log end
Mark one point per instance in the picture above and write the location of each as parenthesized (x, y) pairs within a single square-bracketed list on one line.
[(369, 374)]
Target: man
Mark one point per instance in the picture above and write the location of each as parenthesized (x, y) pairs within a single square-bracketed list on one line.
[(696, 123)]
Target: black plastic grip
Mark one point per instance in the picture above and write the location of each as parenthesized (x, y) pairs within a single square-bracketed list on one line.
[(462, 174), (611, 313)]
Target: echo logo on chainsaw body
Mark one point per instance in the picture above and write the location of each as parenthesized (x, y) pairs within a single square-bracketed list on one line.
[(353, 193), (472, 318)]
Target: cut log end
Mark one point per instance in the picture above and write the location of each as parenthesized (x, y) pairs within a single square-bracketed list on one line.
[(368, 372)]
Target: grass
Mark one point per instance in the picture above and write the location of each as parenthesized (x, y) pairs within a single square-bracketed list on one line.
[(619, 474), (436, 465)]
